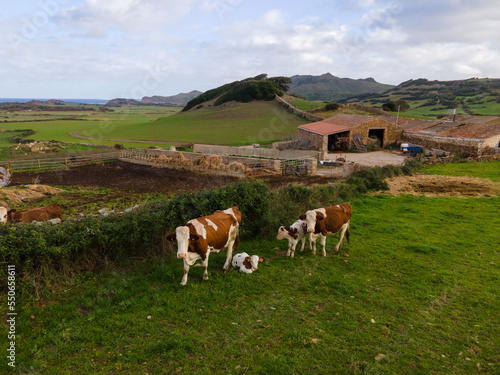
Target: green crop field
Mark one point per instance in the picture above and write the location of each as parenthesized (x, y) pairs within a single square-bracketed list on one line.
[(414, 292), (234, 124)]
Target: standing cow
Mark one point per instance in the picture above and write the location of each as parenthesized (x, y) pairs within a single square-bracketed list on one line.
[(205, 235), (323, 221), (52, 211), (294, 233)]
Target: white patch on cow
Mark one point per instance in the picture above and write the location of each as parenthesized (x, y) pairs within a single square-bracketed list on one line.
[(321, 210), (200, 228), (212, 224), (3, 215), (182, 236), (230, 211), (191, 258)]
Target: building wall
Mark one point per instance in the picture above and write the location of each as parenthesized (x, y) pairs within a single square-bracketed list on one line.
[(492, 141), (467, 146), (390, 135)]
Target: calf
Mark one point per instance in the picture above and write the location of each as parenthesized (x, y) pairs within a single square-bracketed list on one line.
[(323, 221), (246, 263), (205, 235), (52, 211), (294, 233), (3, 215)]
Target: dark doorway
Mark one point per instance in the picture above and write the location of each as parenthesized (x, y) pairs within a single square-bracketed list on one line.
[(338, 141), (377, 134)]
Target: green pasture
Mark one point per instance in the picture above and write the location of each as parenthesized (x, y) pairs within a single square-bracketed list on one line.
[(257, 122), (233, 124), (486, 169), (416, 294)]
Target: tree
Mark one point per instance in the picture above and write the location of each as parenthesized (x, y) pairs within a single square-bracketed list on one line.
[(281, 82)]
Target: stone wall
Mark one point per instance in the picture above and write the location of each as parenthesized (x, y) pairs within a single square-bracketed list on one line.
[(467, 146), (254, 152), (298, 112), (390, 135)]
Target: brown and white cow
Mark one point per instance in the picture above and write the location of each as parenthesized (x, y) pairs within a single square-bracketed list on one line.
[(294, 233), (52, 211), (205, 235), (333, 219), (3, 215)]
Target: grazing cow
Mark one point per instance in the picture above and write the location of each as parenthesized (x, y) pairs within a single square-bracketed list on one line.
[(246, 263), (334, 219), (205, 235), (294, 233), (52, 211), (3, 215)]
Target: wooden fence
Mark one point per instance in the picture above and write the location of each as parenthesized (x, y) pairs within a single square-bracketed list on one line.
[(20, 165)]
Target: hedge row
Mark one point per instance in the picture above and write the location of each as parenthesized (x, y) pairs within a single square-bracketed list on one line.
[(96, 242)]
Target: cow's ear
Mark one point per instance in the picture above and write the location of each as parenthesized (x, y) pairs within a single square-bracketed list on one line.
[(302, 217), (319, 217), (261, 259), (194, 237), (11, 211), (171, 237), (248, 259)]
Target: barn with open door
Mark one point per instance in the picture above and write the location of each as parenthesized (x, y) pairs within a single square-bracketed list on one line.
[(337, 133)]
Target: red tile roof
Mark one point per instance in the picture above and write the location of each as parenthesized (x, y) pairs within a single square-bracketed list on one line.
[(323, 127), (336, 124)]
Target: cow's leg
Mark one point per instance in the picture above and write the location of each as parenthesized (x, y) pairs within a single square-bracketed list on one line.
[(303, 244), (294, 245), (341, 237), (236, 241), (323, 244), (312, 243), (289, 248), (185, 276), (204, 265)]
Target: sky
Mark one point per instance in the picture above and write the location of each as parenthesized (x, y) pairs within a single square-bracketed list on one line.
[(134, 48)]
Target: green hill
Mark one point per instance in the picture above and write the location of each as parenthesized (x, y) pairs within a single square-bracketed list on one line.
[(329, 87), (257, 88), (229, 124), (471, 96)]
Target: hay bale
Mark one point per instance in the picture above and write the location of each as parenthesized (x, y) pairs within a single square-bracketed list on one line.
[(178, 158), (237, 167), (202, 161), (163, 159), (215, 162)]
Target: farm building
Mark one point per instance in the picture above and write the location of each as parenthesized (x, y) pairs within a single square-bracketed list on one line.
[(343, 132), (472, 135)]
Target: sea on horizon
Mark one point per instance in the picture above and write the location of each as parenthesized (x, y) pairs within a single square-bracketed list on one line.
[(81, 101)]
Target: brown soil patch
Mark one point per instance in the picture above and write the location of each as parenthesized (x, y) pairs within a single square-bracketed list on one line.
[(126, 177), (435, 185)]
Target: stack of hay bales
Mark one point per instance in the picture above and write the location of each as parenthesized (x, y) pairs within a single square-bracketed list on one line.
[(202, 161), (179, 159), (215, 162)]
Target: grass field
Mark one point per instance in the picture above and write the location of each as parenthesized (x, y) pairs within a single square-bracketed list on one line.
[(414, 292), (489, 170), (427, 303), (233, 124)]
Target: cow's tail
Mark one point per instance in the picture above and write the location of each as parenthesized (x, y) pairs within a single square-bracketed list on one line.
[(348, 231)]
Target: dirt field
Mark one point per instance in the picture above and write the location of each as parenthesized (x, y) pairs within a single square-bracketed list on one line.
[(145, 179), (434, 185)]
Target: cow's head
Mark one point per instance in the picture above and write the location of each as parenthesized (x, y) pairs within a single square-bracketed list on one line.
[(185, 240), (286, 232), (3, 215), (312, 218), (254, 261)]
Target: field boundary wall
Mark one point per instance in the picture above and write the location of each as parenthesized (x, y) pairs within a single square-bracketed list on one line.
[(20, 165), (254, 152)]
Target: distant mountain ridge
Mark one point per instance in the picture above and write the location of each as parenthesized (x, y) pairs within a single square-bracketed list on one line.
[(180, 99), (332, 88), (177, 100), (472, 96)]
